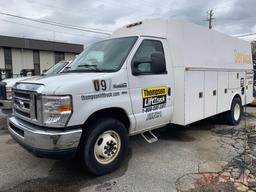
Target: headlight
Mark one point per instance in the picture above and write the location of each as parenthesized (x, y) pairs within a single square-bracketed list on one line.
[(56, 110), (8, 93)]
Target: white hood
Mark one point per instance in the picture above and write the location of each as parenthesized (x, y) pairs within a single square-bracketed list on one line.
[(66, 82), (11, 82)]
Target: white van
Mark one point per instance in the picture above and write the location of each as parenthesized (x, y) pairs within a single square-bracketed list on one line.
[(147, 75), (7, 84)]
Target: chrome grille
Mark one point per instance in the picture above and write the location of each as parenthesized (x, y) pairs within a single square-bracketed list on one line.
[(22, 103), (25, 105)]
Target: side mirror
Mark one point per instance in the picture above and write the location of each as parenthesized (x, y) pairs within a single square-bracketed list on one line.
[(156, 65), (138, 65), (44, 71)]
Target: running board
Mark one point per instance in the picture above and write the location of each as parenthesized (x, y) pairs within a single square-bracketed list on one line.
[(149, 137)]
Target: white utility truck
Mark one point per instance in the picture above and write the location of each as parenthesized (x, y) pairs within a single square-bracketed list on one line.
[(146, 75)]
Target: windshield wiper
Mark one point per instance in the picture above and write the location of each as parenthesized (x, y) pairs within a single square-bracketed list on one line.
[(87, 65), (84, 68), (90, 67)]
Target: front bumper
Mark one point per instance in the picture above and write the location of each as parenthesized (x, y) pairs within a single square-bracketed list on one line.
[(6, 104), (44, 142)]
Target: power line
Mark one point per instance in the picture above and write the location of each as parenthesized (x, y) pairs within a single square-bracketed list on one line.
[(245, 35), (63, 25), (50, 30)]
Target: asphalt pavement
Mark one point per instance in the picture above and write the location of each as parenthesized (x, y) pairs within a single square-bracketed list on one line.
[(165, 165)]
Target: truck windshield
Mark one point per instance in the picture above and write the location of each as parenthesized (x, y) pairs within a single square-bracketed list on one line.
[(104, 56), (55, 68)]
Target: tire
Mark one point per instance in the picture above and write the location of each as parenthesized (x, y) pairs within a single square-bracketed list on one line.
[(233, 117), (99, 141)]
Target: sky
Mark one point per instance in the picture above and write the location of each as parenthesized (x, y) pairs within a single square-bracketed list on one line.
[(230, 16)]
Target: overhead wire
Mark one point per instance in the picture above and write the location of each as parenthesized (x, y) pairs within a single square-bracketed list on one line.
[(46, 29), (63, 25), (245, 35)]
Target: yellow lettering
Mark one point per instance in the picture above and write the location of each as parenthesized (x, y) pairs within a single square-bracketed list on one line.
[(242, 58)]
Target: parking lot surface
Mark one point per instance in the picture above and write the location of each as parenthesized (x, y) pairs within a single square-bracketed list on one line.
[(204, 156)]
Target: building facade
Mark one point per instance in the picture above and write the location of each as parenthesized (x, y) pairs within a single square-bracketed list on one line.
[(254, 52), (17, 54)]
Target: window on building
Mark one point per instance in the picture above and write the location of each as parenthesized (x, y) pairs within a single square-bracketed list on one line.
[(59, 56), (8, 61), (36, 59)]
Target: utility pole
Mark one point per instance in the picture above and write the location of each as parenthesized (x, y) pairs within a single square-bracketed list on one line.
[(210, 18)]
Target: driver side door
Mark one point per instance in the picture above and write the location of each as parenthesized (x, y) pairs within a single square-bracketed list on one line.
[(149, 92)]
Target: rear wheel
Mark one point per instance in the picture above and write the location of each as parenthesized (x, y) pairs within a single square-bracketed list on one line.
[(103, 146), (234, 116)]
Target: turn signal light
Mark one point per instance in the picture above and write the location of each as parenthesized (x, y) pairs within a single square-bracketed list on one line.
[(64, 108)]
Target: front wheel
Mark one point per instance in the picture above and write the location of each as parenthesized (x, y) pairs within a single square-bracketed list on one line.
[(103, 146), (234, 116)]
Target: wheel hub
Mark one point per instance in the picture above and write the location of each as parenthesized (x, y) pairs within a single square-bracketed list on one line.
[(110, 148), (107, 147), (237, 111)]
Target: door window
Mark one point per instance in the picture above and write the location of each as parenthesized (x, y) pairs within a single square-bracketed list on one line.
[(36, 59), (59, 56), (144, 55), (8, 62)]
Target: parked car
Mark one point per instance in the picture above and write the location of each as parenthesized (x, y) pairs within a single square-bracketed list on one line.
[(7, 84), (147, 75)]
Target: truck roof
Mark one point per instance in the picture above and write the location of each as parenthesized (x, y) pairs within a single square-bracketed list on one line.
[(194, 46)]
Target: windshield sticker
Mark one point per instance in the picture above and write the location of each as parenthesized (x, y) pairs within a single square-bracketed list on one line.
[(154, 98)]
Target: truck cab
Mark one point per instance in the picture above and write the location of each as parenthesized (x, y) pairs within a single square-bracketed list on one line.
[(140, 79)]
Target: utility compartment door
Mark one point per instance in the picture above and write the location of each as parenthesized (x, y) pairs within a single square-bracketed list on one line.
[(210, 89), (249, 87), (194, 96), (223, 92), (234, 80)]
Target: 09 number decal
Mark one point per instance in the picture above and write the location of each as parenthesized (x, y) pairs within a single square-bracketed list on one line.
[(100, 85)]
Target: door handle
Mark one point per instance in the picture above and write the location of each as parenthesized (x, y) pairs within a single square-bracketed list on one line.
[(169, 91), (242, 91)]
